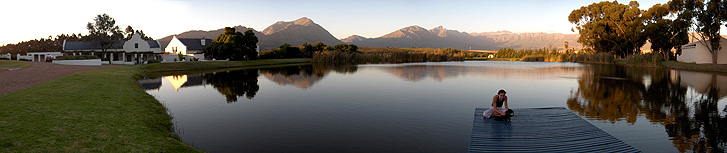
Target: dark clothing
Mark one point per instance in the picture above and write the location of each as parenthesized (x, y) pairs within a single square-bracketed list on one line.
[(499, 101)]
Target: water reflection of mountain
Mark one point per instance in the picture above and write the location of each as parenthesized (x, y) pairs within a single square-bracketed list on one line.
[(441, 72), (692, 119), (303, 76)]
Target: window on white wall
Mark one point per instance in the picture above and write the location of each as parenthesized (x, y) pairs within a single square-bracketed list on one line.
[(136, 45)]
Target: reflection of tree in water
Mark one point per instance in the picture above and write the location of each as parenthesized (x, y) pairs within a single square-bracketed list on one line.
[(234, 83), (615, 93), (303, 76)]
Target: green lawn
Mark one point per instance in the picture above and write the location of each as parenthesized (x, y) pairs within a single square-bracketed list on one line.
[(98, 111), (14, 63)]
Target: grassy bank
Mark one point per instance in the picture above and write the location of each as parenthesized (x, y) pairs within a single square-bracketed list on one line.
[(98, 111), (160, 69), (14, 63)]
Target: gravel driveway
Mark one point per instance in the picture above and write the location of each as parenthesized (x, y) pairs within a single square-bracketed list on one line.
[(37, 73)]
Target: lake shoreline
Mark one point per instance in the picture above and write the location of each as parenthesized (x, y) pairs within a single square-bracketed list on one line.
[(674, 65), (102, 110)]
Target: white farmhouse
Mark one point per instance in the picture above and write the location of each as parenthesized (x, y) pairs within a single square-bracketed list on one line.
[(698, 53), (132, 51), (188, 47)]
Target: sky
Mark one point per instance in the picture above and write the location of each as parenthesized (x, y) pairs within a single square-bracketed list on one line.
[(32, 19)]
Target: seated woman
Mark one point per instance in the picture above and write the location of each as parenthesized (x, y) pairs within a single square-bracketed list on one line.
[(497, 103)]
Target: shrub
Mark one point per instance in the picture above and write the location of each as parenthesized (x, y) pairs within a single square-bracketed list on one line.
[(273, 54), (644, 59), (593, 58), (4, 58), (77, 57), (152, 61), (533, 58)]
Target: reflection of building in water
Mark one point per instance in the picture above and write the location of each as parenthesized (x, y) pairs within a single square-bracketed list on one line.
[(298, 80), (179, 81), (440, 72), (150, 84), (701, 82)]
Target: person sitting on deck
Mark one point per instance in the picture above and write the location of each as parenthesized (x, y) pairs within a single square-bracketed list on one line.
[(497, 102)]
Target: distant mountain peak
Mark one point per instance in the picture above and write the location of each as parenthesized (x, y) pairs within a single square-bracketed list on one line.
[(282, 25), (304, 21), (414, 28), (353, 38)]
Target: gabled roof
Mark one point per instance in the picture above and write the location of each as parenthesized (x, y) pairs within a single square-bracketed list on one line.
[(88, 45), (195, 43)]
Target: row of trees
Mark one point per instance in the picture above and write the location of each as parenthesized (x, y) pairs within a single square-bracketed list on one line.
[(622, 29), (103, 30), (306, 50), (40, 45)]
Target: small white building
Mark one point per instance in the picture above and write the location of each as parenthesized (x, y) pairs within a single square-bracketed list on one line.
[(698, 53), (38, 56), (188, 47), (132, 51)]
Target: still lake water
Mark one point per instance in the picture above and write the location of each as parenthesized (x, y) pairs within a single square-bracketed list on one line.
[(428, 107)]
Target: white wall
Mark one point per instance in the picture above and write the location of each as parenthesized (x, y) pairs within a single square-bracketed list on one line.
[(129, 46), (688, 55), (78, 62), (701, 55), (176, 43)]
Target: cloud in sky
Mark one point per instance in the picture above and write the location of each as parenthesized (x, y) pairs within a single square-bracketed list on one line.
[(28, 19)]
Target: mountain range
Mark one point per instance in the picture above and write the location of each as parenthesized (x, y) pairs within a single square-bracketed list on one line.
[(304, 30)]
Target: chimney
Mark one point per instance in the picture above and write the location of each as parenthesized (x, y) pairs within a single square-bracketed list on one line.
[(202, 42)]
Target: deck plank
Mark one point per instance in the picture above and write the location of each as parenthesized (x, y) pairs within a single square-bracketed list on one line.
[(553, 129)]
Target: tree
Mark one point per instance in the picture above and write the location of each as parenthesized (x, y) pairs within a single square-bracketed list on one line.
[(348, 48), (610, 27), (250, 40), (233, 45), (129, 31), (104, 31), (707, 22), (307, 50), (664, 32)]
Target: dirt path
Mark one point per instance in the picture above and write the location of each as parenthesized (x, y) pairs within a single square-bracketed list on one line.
[(38, 73)]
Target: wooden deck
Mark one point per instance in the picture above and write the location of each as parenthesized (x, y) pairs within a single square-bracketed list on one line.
[(541, 130)]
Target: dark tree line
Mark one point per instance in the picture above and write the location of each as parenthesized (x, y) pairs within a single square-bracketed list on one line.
[(103, 30), (40, 45), (306, 50)]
